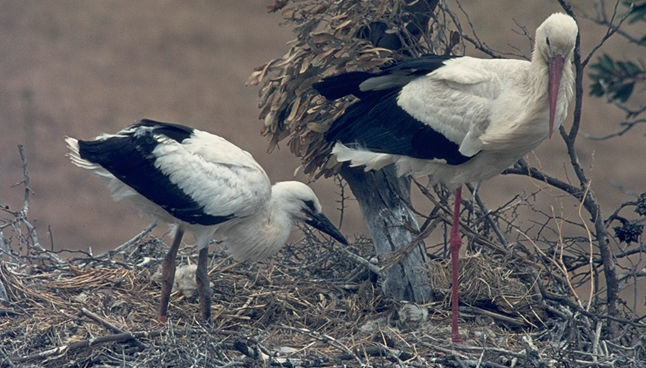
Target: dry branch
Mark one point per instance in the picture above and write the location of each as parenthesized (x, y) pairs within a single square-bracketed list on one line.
[(84, 344)]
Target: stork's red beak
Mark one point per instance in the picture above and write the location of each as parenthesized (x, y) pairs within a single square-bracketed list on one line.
[(554, 69)]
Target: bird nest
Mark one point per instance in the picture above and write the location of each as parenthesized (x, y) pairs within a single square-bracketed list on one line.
[(490, 284), (334, 37), (312, 305)]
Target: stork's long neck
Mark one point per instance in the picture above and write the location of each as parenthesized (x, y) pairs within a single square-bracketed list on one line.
[(537, 80), (259, 235)]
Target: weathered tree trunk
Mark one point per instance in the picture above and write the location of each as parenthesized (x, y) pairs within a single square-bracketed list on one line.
[(383, 196), (383, 199)]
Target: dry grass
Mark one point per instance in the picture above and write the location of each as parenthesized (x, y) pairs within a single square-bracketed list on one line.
[(309, 306)]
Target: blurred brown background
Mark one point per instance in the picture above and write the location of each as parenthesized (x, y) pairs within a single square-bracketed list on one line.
[(79, 68)]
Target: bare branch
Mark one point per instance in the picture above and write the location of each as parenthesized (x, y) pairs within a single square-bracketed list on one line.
[(109, 254), (487, 216), (612, 28), (25, 211), (627, 126)]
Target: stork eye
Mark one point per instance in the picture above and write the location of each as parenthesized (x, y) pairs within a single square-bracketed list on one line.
[(547, 40), (310, 205)]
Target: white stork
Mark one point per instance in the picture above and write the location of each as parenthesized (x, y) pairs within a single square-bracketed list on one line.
[(456, 119), (203, 184)]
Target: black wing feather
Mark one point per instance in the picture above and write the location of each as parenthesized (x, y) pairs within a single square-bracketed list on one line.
[(130, 158), (341, 85), (398, 75), (377, 123), (174, 131)]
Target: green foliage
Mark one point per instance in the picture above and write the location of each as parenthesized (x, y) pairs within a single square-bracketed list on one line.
[(638, 12), (615, 79)]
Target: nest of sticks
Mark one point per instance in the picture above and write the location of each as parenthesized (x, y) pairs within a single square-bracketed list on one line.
[(312, 305)]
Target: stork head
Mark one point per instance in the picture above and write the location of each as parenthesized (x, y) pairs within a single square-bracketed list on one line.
[(300, 203), (555, 41)]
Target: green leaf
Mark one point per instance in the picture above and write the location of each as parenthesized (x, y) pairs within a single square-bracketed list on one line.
[(623, 92), (605, 63), (614, 79), (632, 69), (596, 90), (638, 11), (597, 67)]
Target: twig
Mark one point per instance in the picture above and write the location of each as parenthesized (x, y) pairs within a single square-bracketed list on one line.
[(25, 210), (25, 182), (612, 29), (559, 266), (51, 237), (452, 351), (595, 342), (243, 347), (324, 338), (521, 168), (343, 197), (487, 215), (378, 350), (126, 245), (362, 261), (627, 126), (591, 252), (498, 316), (6, 361), (83, 344), (108, 324)]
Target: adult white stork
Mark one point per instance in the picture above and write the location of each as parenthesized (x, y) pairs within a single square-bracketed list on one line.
[(457, 119), (204, 184)]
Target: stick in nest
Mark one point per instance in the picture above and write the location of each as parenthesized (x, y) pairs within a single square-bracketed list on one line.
[(324, 338), (108, 324)]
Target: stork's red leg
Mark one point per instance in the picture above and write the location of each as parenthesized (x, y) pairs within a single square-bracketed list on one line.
[(455, 242), (168, 274), (203, 284)]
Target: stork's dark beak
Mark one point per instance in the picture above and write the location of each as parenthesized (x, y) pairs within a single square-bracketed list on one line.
[(555, 70), (322, 223)]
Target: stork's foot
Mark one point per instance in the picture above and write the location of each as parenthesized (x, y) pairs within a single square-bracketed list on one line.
[(203, 287)]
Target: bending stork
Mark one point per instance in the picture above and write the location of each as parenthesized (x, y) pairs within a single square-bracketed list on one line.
[(203, 184), (457, 119)]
